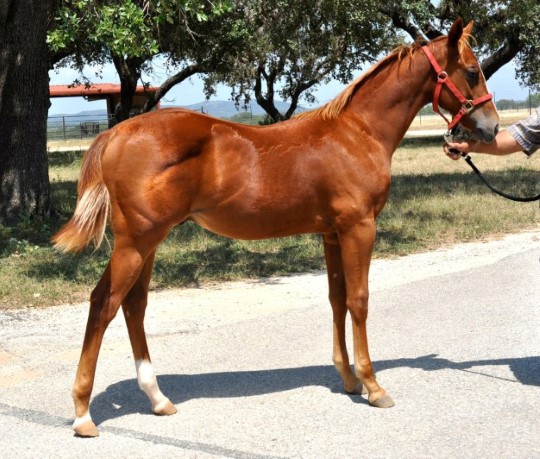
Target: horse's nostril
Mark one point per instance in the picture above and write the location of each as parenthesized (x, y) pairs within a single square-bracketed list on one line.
[(496, 130)]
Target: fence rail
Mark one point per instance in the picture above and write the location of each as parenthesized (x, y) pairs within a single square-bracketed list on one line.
[(75, 127)]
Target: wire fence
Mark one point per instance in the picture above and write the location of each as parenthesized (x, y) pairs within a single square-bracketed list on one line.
[(76, 127)]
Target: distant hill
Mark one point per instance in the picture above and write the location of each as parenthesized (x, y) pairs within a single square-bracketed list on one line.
[(218, 108)]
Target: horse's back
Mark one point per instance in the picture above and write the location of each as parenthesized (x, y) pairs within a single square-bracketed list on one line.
[(178, 164), (241, 181)]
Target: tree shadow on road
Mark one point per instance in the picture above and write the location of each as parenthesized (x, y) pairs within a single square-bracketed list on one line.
[(526, 370), (125, 397)]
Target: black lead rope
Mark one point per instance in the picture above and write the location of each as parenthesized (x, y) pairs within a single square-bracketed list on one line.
[(468, 159)]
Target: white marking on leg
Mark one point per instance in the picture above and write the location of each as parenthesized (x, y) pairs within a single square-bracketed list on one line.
[(148, 384), (79, 421)]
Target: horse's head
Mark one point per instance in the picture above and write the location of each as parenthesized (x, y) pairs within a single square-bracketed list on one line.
[(461, 87)]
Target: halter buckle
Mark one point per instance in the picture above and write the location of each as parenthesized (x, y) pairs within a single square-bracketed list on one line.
[(468, 106)]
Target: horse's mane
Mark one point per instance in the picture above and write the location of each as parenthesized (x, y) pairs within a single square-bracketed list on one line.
[(403, 52)]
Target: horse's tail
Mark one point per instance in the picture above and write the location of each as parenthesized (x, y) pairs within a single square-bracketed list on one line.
[(93, 203)]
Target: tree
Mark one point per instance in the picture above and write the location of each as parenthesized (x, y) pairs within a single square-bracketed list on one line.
[(130, 34), (288, 47), (503, 30), (291, 46), (25, 61), (24, 102)]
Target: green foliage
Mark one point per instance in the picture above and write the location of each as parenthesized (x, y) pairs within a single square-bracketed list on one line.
[(515, 25), (124, 29), (282, 49), (247, 118), (503, 30), (92, 30), (119, 26), (168, 10), (532, 101), (287, 48)]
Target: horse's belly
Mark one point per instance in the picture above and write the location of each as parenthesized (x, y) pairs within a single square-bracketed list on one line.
[(264, 224)]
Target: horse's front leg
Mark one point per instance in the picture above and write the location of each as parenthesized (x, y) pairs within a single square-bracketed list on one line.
[(337, 294), (356, 247)]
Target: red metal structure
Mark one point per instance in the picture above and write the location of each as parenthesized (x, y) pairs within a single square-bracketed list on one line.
[(102, 91)]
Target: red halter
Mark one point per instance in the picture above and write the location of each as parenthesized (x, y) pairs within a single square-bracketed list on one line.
[(467, 105)]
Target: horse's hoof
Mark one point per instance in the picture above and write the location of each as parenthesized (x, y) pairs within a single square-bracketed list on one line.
[(384, 401), (86, 429), (166, 410)]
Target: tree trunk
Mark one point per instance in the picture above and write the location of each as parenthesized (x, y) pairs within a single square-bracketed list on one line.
[(24, 103), (266, 101), (129, 71)]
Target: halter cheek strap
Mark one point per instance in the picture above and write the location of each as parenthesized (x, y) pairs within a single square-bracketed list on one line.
[(467, 105)]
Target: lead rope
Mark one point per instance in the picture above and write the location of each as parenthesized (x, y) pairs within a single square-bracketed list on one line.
[(469, 161)]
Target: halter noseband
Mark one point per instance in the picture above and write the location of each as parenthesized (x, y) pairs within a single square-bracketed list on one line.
[(467, 105)]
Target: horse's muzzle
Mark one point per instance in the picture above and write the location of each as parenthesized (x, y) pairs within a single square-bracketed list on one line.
[(488, 136), (485, 127)]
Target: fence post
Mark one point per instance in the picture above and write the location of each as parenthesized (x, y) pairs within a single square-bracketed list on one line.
[(64, 127)]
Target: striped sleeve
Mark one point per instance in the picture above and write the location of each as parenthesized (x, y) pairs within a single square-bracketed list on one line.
[(527, 132)]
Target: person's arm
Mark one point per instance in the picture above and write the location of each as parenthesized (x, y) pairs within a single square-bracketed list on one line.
[(504, 144)]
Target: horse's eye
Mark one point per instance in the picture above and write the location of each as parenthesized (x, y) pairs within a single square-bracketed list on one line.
[(472, 76)]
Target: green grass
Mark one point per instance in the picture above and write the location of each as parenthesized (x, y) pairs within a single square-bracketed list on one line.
[(433, 202)]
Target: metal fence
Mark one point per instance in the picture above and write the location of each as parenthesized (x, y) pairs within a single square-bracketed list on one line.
[(75, 127)]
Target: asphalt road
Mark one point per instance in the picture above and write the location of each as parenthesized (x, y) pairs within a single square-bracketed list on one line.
[(454, 338)]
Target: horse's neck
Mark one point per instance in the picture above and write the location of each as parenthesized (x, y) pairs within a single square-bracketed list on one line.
[(390, 99)]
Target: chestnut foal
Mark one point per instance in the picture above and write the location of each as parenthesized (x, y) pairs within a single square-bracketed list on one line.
[(326, 171)]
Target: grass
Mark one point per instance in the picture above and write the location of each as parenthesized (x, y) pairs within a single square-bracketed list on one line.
[(433, 202)]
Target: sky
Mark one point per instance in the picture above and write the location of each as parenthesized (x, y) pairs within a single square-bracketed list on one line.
[(503, 84)]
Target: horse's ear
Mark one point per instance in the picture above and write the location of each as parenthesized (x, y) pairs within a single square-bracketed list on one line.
[(467, 31), (456, 31)]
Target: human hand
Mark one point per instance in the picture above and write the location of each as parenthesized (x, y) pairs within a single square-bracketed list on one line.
[(453, 150)]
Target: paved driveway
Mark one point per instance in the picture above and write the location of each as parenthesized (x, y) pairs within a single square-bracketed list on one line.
[(454, 337)]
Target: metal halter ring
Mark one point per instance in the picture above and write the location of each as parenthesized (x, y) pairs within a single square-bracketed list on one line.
[(441, 76)]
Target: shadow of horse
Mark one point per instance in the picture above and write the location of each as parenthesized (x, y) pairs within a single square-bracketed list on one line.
[(125, 398)]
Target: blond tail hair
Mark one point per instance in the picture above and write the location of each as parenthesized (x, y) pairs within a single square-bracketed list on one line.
[(93, 203)]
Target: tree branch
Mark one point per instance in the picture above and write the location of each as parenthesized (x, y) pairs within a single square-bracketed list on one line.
[(501, 57), (401, 21), (153, 98)]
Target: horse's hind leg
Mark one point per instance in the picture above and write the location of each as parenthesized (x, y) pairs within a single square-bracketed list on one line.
[(337, 296), (121, 273), (134, 306)]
